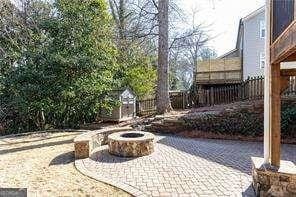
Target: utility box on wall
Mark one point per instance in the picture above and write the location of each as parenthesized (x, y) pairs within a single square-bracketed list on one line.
[(125, 111)]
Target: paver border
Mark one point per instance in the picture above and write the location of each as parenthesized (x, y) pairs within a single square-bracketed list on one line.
[(79, 164)]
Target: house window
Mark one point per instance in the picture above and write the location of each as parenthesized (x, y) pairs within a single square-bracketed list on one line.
[(262, 60), (262, 29)]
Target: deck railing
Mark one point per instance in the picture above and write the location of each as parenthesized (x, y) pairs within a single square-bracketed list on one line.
[(218, 71)]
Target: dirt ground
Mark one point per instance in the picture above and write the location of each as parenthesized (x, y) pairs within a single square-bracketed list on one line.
[(43, 163)]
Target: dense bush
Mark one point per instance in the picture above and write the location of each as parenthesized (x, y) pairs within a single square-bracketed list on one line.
[(243, 122), (137, 72), (230, 123), (59, 61), (288, 123)]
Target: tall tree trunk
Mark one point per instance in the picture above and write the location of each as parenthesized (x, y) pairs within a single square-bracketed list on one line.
[(162, 93), (118, 11)]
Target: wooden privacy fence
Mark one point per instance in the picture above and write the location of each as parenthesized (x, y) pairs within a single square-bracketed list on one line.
[(179, 100), (251, 89), (145, 107)]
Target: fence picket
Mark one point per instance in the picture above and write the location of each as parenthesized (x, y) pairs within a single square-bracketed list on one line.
[(250, 89)]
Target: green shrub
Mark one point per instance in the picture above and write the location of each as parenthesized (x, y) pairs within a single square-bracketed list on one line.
[(288, 123), (61, 64), (243, 122), (238, 123)]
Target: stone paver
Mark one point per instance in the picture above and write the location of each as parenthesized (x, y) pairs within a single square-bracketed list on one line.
[(43, 163), (182, 167)]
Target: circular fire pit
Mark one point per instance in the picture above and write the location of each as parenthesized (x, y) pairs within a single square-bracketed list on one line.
[(131, 143)]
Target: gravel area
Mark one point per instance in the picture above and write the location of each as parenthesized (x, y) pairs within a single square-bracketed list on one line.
[(43, 163)]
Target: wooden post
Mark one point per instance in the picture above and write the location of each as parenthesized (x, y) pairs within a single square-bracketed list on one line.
[(275, 118)]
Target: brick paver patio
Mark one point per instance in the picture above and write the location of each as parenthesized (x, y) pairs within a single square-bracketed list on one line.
[(182, 167)]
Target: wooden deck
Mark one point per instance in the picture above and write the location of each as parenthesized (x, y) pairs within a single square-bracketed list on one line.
[(219, 71), (283, 31), (284, 46)]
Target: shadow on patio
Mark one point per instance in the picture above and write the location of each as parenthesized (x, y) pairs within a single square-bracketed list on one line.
[(103, 156), (12, 150), (63, 159), (40, 137), (230, 153)]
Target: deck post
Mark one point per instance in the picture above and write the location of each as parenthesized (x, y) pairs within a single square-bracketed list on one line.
[(267, 173), (275, 118)]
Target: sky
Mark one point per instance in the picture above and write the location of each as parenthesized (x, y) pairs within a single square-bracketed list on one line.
[(221, 18)]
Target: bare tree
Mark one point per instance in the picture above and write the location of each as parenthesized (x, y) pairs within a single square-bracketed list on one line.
[(135, 22), (190, 45), (162, 92), (120, 15), (138, 24)]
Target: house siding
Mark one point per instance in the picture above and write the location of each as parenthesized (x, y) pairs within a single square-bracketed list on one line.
[(253, 45)]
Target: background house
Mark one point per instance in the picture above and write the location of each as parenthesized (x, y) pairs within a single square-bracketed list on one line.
[(251, 41), (250, 44), (247, 59), (249, 49)]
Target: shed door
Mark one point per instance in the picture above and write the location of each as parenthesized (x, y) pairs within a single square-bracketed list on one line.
[(127, 108), (124, 109)]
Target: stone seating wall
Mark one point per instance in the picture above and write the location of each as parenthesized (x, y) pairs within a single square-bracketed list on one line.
[(85, 143)]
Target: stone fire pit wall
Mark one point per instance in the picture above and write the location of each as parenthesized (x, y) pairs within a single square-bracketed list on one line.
[(85, 143), (131, 143)]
